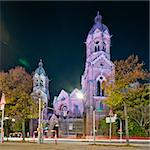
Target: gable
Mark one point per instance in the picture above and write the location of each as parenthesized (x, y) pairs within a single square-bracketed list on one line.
[(102, 62), (74, 93), (63, 95)]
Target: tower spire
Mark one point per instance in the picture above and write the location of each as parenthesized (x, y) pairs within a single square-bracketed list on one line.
[(98, 18), (97, 13), (40, 63)]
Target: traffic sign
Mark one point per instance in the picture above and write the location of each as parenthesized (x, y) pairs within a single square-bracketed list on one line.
[(110, 119)]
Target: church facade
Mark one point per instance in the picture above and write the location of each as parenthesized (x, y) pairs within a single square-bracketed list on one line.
[(98, 68)]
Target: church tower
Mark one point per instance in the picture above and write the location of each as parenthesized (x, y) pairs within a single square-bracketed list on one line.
[(40, 89), (98, 68), (41, 85)]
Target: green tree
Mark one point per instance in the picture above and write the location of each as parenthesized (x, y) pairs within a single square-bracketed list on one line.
[(122, 91), (17, 86), (139, 106)]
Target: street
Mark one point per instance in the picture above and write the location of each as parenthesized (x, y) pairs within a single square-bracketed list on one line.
[(64, 146)]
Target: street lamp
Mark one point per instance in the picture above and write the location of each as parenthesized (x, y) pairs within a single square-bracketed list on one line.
[(39, 123), (81, 96), (38, 95)]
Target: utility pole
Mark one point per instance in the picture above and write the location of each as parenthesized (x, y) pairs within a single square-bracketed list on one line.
[(126, 123), (110, 115), (2, 107), (120, 130), (2, 127)]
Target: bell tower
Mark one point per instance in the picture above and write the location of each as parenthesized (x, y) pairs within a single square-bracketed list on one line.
[(98, 68)]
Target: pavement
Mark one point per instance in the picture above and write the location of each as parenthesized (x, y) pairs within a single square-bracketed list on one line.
[(65, 146), (135, 142)]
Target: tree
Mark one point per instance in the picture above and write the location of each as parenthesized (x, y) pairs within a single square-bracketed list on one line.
[(139, 106), (17, 86), (122, 90)]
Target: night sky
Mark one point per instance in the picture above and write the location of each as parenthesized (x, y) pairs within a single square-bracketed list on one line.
[(56, 32)]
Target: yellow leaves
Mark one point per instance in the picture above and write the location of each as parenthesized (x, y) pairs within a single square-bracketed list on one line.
[(129, 70), (126, 72), (17, 86)]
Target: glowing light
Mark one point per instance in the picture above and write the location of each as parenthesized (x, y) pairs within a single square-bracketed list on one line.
[(24, 62), (80, 95)]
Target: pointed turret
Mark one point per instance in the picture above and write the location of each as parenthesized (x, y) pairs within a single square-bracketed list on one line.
[(40, 70), (98, 39)]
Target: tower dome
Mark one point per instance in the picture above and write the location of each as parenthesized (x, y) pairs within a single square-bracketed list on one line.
[(98, 24), (40, 70)]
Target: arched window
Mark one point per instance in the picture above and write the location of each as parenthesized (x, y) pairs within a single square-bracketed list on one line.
[(95, 48), (76, 111), (98, 48), (104, 46), (103, 88), (98, 88)]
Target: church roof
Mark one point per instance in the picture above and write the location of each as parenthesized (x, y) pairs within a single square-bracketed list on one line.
[(40, 70), (98, 24)]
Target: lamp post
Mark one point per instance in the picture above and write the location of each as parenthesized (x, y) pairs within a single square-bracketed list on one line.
[(2, 107), (38, 94), (39, 123), (81, 96), (110, 115)]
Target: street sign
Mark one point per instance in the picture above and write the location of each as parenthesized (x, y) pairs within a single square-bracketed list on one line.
[(99, 110), (70, 126), (110, 119)]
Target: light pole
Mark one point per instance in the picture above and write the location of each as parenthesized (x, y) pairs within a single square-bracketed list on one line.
[(110, 115), (39, 123), (81, 96), (2, 107)]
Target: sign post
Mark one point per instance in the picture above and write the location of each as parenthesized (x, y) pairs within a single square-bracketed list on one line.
[(112, 118)]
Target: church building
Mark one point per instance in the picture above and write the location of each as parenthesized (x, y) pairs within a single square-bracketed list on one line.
[(98, 68)]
